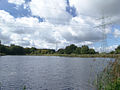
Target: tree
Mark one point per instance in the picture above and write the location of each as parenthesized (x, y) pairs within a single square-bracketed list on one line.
[(44, 52), (16, 50), (51, 51), (27, 50), (33, 49), (3, 49), (117, 50), (84, 49), (70, 49), (112, 52), (78, 50), (61, 51), (92, 51)]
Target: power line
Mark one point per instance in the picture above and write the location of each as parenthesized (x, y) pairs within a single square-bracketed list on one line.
[(103, 26)]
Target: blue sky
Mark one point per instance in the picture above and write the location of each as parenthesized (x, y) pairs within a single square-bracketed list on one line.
[(22, 12), (36, 23)]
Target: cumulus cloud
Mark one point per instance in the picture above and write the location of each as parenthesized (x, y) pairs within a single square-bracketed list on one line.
[(37, 33), (26, 29), (17, 2), (107, 49), (116, 33), (58, 25), (96, 6), (81, 31), (53, 11)]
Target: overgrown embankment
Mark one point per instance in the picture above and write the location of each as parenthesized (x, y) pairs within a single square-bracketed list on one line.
[(1, 54), (81, 55), (109, 79)]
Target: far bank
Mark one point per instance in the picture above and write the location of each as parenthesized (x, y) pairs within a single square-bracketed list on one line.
[(81, 55)]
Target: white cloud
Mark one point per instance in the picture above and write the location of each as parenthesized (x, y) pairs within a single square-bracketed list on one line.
[(17, 2), (82, 6), (82, 29), (116, 33), (59, 25), (5, 16), (96, 6), (53, 11), (107, 49), (46, 34)]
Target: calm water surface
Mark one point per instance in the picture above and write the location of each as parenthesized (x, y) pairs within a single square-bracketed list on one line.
[(48, 72)]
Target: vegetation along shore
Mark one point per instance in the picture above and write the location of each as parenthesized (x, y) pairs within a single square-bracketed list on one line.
[(70, 51), (109, 79)]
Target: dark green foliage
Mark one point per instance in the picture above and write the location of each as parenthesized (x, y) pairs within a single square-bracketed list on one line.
[(24, 88), (3, 49), (70, 49), (43, 51), (85, 50), (27, 50), (61, 51), (92, 51), (78, 50), (112, 52), (33, 49), (18, 50), (117, 50)]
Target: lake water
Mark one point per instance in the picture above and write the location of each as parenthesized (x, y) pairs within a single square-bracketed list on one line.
[(49, 72)]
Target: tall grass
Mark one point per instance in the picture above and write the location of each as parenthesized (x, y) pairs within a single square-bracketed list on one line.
[(109, 79), (2, 54), (24, 88)]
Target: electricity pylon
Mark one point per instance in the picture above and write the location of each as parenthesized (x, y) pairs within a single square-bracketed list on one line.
[(103, 28), (56, 42)]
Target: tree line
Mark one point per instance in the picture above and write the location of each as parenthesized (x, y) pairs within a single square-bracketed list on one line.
[(71, 49), (19, 50), (116, 51)]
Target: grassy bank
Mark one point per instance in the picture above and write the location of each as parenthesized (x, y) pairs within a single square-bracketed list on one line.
[(109, 79), (81, 55), (1, 54)]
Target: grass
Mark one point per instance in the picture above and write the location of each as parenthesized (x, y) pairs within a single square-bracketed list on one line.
[(82, 55), (1, 54), (109, 79), (24, 88)]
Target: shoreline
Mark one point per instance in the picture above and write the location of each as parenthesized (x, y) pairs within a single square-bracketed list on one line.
[(73, 55), (81, 56)]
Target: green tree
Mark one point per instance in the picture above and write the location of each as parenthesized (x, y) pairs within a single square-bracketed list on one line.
[(112, 52), (61, 51), (117, 50), (78, 50), (92, 51), (3, 49), (44, 52), (84, 49), (16, 50), (70, 49), (51, 51), (33, 49), (27, 50)]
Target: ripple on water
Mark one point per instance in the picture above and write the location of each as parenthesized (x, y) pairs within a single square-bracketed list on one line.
[(47, 73)]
